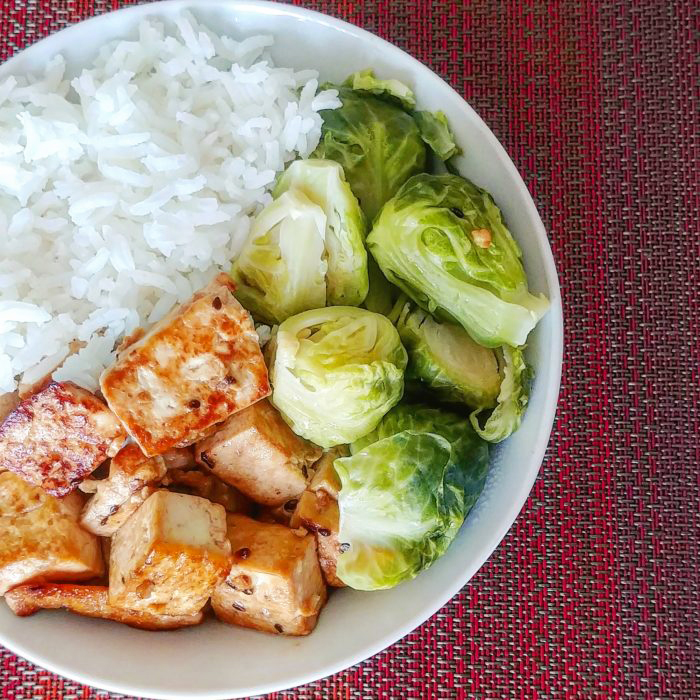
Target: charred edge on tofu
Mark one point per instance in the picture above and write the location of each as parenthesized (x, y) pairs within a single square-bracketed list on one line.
[(291, 505), (243, 553), (279, 628)]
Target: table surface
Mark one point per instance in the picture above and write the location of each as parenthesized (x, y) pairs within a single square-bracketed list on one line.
[(594, 592)]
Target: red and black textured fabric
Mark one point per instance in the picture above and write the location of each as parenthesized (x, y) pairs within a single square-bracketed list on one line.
[(594, 593)]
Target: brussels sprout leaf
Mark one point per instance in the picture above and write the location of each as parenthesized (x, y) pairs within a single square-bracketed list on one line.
[(512, 398), (436, 132), (392, 89)]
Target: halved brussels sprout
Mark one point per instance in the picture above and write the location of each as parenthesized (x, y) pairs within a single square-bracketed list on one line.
[(336, 371), (273, 280), (442, 240), (376, 142), (323, 182), (405, 492), (512, 397), (447, 360)]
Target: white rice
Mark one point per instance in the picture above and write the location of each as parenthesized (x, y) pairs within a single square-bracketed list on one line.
[(127, 188)]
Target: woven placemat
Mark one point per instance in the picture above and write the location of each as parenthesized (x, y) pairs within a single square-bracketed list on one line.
[(594, 592)]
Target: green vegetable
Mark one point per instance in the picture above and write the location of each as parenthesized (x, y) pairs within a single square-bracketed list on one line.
[(436, 132), (273, 280), (442, 240), (405, 492), (447, 360), (512, 398), (336, 371), (376, 142), (382, 294), (365, 81), (323, 182)]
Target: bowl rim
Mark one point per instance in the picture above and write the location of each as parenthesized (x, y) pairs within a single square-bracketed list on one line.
[(551, 375)]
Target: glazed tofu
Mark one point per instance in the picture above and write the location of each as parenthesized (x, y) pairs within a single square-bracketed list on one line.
[(317, 512), (275, 583), (90, 601), (40, 537), (169, 555), (55, 438), (325, 477), (194, 481), (133, 477), (257, 452), (192, 370)]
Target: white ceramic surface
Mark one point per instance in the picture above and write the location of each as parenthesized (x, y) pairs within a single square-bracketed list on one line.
[(219, 661)]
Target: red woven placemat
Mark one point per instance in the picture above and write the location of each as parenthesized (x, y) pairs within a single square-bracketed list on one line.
[(594, 592)]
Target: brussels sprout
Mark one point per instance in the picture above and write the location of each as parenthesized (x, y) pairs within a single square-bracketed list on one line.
[(273, 280), (377, 143), (442, 240), (436, 132), (512, 398), (395, 90), (336, 371), (382, 294), (405, 492), (447, 360), (323, 182)]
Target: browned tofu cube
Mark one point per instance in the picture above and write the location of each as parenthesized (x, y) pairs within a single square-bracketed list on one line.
[(133, 477), (196, 482), (192, 370), (169, 555), (325, 477), (55, 438), (91, 601), (317, 512), (40, 537), (275, 583), (257, 452)]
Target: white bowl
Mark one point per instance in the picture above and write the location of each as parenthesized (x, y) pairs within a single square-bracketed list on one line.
[(220, 661)]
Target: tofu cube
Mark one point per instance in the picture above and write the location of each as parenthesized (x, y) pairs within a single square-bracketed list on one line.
[(275, 583), (257, 452), (91, 601), (169, 555), (40, 537), (193, 480), (325, 477), (55, 438), (317, 512), (133, 477), (192, 370)]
